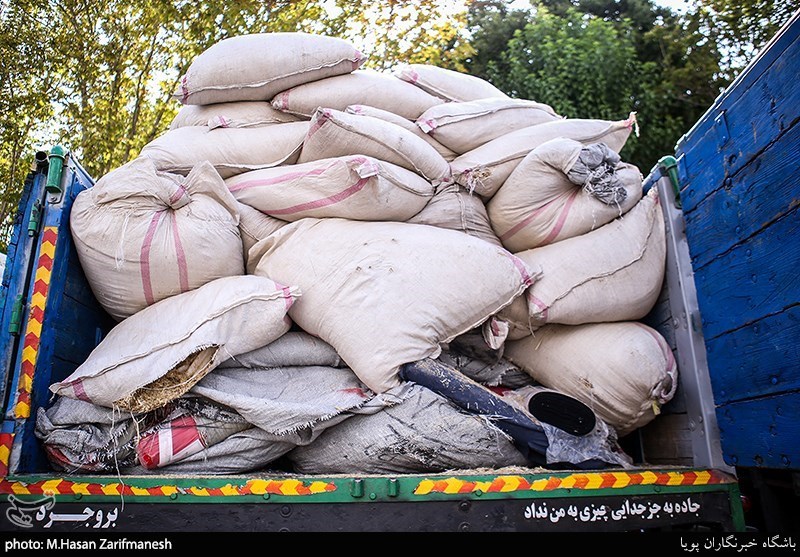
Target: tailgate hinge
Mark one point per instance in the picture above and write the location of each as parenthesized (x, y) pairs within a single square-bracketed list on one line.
[(16, 316), (36, 218)]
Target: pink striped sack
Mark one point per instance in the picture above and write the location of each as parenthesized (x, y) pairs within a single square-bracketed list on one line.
[(158, 354), (143, 235), (230, 150), (448, 84), (463, 126), (388, 293), (484, 169), (613, 273), (256, 67), (352, 187), (360, 87), (624, 371), (182, 437), (541, 203), (406, 124), (243, 114), (333, 133)]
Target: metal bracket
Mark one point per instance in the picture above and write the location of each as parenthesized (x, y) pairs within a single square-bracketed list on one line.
[(721, 125)]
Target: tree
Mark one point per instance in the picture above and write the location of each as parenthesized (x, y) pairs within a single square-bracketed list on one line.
[(491, 24)]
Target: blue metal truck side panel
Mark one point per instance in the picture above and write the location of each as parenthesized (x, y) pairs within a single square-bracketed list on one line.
[(741, 200), (75, 321)]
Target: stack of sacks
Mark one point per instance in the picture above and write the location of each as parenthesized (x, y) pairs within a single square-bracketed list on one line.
[(387, 215)]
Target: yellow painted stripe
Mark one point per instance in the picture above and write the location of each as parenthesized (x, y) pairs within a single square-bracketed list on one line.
[(51, 486), (25, 382), (289, 487), (424, 487), (169, 490), (38, 300), (29, 354), (702, 478), (110, 489), (622, 479), (229, 490), (675, 478), (569, 482), (648, 478), (482, 486), (22, 410), (594, 481), (4, 454), (511, 483), (48, 248), (201, 491), (318, 487), (258, 487), (19, 489), (453, 485), (34, 327), (83, 489), (138, 490)]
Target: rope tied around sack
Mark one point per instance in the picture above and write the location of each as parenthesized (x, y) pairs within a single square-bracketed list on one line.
[(595, 171)]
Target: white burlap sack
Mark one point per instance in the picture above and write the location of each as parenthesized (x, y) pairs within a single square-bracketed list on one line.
[(254, 226), (256, 67), (539, 205), (231, 151), (463, 126), (485, 168), (613, 273), (230, 115), (162, 351), (448, 84), (143, 235), (336, 134), (622, 371), (353, 187), (360, 87), (455, 208), (383, 293), (406, 124)]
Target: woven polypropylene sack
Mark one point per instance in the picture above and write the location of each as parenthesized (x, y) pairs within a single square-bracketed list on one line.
[(360, 87), (384, 294), (258, 66), (623, 371), (336, 134), (539, 205), (455, 208), (406, 124), (161, 352), (230, 150), (463, 126), (143, 235), (424, 433), (448, 84), (244, 114), (352, 187), (614, 273), (487, 167)]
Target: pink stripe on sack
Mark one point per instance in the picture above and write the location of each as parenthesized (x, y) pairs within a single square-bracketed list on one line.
[(493, 326), (224, 122), (282, 178), (185, 89), (145, 258), (80, 392), (562, 218), (357, 109), (662, 345), (179, 192), (283, 99), (319, 203), (287, 294), (413, 76), (183, 269), (322, 118), (523, 270), (357, 59), (525, 222), (540, 304)]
